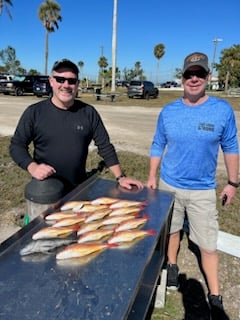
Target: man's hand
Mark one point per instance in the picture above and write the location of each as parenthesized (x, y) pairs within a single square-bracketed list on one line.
[(230, 193), (40, 171), (152, 183), (128, 183)]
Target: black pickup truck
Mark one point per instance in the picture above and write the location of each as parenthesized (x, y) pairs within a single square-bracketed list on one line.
[(20, 84)]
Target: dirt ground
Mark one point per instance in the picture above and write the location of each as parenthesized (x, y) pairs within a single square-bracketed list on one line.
[(193, 289), (138, 125)]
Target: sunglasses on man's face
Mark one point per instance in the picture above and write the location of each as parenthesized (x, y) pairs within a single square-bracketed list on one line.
[(70, 81), (197, 73)]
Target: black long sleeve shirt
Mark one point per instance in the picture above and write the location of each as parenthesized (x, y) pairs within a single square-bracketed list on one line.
[(61, 139)]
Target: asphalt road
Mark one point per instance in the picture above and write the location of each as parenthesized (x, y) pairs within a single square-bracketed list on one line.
[(130, 128)]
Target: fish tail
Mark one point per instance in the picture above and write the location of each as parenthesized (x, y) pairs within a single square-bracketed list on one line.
[(112, 245), (146, 216), (151, 232), (136, 215), (76, 227)]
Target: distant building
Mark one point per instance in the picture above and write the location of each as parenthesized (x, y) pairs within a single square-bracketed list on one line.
[(214, 83)]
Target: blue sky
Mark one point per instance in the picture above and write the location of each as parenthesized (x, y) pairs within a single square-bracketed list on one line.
[(86, 31)]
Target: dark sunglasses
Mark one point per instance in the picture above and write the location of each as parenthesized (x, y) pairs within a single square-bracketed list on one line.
[(63, 79), (197, 73)]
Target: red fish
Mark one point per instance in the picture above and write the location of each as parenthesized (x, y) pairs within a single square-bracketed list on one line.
[(116, 220), (127, 203), (131, 224), (129, 235), (91, 208), (122, 211), (85, 227), (97, 215), (81, 249), (72, 204), (95, 235), (60, 215), (104, 200), (69, 221)]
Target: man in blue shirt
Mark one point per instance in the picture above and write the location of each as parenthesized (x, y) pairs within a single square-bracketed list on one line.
[(185, 146)]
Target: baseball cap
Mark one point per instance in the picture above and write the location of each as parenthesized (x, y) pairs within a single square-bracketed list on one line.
[(196, 59), (65, 63)]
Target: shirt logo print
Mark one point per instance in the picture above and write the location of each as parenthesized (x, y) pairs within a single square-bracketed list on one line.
[(206, 126), (79, 127)]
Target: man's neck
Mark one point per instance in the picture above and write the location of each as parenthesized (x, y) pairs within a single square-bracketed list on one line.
[(195, 100)]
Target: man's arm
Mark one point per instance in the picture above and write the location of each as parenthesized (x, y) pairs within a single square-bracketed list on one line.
[(232, 167), (153, 171)]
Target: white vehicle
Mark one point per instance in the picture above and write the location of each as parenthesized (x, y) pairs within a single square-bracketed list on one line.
[(6, 77)]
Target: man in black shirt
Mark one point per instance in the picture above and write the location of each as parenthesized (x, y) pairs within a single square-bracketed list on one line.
[(61, 129)]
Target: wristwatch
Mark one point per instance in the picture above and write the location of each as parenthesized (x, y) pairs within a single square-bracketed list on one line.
[(234, 184), (121, 176)]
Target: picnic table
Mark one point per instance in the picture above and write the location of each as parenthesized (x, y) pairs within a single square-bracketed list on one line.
[(108, 95)]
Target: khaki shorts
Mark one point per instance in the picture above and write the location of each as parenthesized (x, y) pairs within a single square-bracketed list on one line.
[(200, 207)]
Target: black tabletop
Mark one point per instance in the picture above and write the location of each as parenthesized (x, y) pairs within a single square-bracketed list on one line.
[(101, 287)]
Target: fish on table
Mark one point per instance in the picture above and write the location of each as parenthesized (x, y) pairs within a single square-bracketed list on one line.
[(55, 232), (98, 215), (129, 235), (78, 219), (132, 224), (127, 203), (91, 208), (82, 249), (104, 200), (95, 235), (85, 227), (55, 216), (116, 219), (125, 210), (44, 245), (70, 205)]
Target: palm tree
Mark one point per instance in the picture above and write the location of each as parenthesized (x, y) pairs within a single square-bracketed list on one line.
[(81, 65), (6, 3), (102, 63), (159, 51), (138, 69), (49, 14)]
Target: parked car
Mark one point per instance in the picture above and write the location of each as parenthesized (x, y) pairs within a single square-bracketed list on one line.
[(122, 83), (6, 77), (19, 85), (169, 84), (41, 87), (142, 89)]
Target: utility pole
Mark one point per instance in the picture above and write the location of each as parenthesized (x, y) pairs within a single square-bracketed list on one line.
[(215, 41), (101, 47)]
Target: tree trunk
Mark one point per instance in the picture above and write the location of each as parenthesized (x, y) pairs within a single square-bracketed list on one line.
[(114, 46), (46, 53), (226, 81)]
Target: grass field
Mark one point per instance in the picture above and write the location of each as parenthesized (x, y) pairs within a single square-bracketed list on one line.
[(164, 97)]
